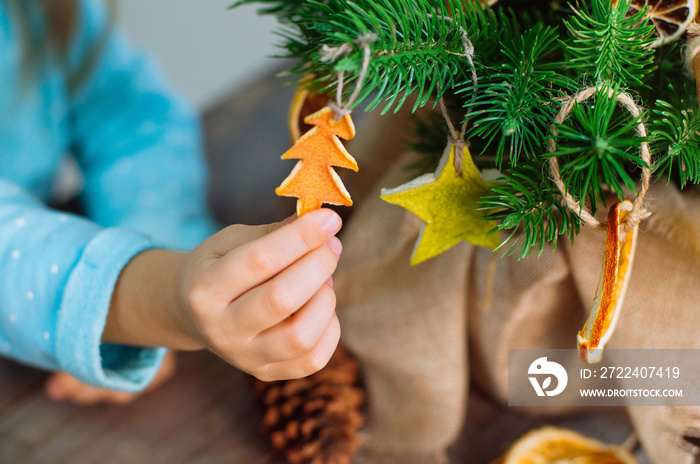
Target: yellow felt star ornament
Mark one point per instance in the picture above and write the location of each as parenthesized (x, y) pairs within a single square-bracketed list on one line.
[(447, 203)]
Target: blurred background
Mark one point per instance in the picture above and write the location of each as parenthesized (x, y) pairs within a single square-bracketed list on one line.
[(222, 61), (208, 51)]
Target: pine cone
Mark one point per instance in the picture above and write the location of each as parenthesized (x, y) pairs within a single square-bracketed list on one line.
[(315, 420)]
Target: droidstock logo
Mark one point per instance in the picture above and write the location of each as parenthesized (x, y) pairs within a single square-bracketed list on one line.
[(541, 368)]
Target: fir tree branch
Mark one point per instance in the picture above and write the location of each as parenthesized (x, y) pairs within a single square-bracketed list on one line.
[(523, 70), (515, 104), (608, 45), (417, 52), (531, 206), (677, 135)]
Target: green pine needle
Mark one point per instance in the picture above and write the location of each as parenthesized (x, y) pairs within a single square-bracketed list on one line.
[(677, 133), (514, 105), (417, 51), (531, 206), (608, 45)]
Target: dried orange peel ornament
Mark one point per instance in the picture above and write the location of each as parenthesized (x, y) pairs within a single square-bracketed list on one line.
[(313, 180), (553, 445), (623, 222), (617, 264)]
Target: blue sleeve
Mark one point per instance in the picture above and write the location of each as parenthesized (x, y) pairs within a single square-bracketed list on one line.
[(138, 144), (58, 274)]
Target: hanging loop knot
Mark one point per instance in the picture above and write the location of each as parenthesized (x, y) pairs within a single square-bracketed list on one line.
[(339, 111), (329, 54), (634, 217), (460, 144), (639, 212)]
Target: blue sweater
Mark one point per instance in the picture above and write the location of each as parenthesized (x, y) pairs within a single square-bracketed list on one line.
[(138, 147)]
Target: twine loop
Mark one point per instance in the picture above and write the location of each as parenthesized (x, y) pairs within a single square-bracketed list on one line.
[(329, 54), (453, 138), (639, 212)]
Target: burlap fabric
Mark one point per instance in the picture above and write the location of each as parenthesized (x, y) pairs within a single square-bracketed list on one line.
[(421, 332)]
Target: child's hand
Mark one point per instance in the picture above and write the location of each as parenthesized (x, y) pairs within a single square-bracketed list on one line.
[(260, 297), (267, 305)]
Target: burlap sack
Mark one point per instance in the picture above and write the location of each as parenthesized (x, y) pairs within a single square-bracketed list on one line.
[(411, 326), (541, 304), (408, 327)]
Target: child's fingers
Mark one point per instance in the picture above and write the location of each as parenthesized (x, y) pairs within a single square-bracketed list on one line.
[(238, 234), (298, 334), (255, 262), (311, 362), (268, 304)]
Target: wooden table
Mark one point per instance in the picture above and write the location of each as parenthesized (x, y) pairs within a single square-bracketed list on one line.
[(205, 416)]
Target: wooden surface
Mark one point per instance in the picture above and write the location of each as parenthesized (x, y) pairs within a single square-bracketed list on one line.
[(205, 415)]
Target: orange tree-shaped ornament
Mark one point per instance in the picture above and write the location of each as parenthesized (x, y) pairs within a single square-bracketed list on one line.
[(313, 180)]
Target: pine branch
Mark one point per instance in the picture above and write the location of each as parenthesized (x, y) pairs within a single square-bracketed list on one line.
[(597, 145), (417, 52), (524, 69), (677, 135), (531, 206), (608, 45), (515, 105)]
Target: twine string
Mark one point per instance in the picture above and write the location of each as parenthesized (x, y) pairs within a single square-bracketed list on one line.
[(455, 139), (468, 46), (329, 54), (639, 212)]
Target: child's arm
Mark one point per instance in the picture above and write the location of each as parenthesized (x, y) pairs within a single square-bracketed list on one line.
[(64, 276), (137, 142), (58, 273), (263, 302)]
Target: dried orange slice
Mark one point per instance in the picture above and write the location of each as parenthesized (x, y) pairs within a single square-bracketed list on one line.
[(617, 264), (671, 18), (303, 104), (552, 445)]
